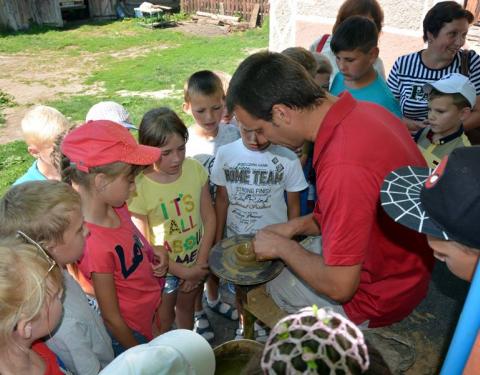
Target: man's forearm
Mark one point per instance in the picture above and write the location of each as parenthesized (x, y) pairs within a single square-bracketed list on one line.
[(338, 282), (304, 225)]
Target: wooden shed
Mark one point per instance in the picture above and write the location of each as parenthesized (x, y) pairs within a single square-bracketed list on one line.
[(20, 14), (102, 9)]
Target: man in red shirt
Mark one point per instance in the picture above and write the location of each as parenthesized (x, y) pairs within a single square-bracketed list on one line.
[(369, 268)]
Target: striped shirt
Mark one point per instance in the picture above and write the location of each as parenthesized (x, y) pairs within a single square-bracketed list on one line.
[(409, 74)]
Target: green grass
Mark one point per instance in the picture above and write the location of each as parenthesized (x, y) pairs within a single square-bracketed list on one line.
[(167, 59), (14, 161), (6, 100)]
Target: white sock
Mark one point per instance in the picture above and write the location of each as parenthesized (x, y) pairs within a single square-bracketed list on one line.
[(213, 303)]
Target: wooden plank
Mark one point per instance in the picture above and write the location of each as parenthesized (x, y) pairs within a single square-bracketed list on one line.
[(254, 16), (218, 17), (262, 306)]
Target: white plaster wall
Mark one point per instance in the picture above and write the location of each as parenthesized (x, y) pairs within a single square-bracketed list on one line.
[(403, 17)]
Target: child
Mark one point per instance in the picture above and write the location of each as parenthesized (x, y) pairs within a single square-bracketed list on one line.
[(40, 126), (367, 8), (172, 207), (312, 335), (355, 45), (204, 100), (324, 71), (228, 117), (304, 57), (111, 111), (252, 176), (450, 101), (30, 308), (101, 159), (445, 206), (50, 213), (308, 61)]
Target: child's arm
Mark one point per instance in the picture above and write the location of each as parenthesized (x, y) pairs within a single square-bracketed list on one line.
[(221, 209), (293, 204), (207, 213), (106, 294), (199, 271), (141, 222), (160, 267)]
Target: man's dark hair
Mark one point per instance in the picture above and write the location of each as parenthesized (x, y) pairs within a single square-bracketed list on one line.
[(268, 78), (356, 32), (442, 13)]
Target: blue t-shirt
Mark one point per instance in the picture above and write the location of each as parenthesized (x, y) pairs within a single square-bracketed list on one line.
[(376, 92), (33, 174)]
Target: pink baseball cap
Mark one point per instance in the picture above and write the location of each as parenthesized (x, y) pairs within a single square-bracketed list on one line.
[(101, 142)]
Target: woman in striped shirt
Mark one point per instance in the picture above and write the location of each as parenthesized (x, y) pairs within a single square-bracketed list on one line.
[(445, 28)]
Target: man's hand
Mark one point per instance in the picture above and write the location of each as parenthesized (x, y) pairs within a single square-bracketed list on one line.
[(282, 229), (268, 244)]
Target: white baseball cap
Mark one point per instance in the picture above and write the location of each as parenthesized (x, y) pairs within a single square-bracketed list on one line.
[(454, 83), (112, 111), (180, 351)]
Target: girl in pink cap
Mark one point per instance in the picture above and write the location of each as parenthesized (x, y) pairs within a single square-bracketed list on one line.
[(101, 161)]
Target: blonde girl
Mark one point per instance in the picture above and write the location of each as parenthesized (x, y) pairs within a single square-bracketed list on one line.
[(172, 207), (101, 158), (30, 307)]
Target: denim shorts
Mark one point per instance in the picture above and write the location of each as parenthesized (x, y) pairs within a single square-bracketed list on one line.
[(119, 349), (171, 284)]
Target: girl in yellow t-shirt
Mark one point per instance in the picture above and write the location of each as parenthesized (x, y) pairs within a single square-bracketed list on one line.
[(173, 209)]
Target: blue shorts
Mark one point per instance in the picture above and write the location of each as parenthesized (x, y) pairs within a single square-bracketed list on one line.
[(119, 349)]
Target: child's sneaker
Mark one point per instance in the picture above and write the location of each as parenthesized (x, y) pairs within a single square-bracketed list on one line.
[(201, 325), (224, 309)]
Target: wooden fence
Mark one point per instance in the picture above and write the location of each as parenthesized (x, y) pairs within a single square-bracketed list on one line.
[(241, 8)]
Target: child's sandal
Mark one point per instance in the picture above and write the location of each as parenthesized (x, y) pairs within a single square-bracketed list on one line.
[(202, 326), (224, 309)]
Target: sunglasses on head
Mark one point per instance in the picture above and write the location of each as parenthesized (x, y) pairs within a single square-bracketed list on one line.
[(42, 251)]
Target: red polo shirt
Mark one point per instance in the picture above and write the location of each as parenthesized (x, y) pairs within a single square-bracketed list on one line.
[(357, 145)]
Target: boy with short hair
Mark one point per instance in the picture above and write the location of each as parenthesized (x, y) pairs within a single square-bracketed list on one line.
[(252, 176), (49, 212), (444, 205), (41, 125), (450, 102), (355, 45), (204, 100)]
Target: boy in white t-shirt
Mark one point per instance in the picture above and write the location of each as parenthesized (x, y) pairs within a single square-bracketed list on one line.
[(252, 176)]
